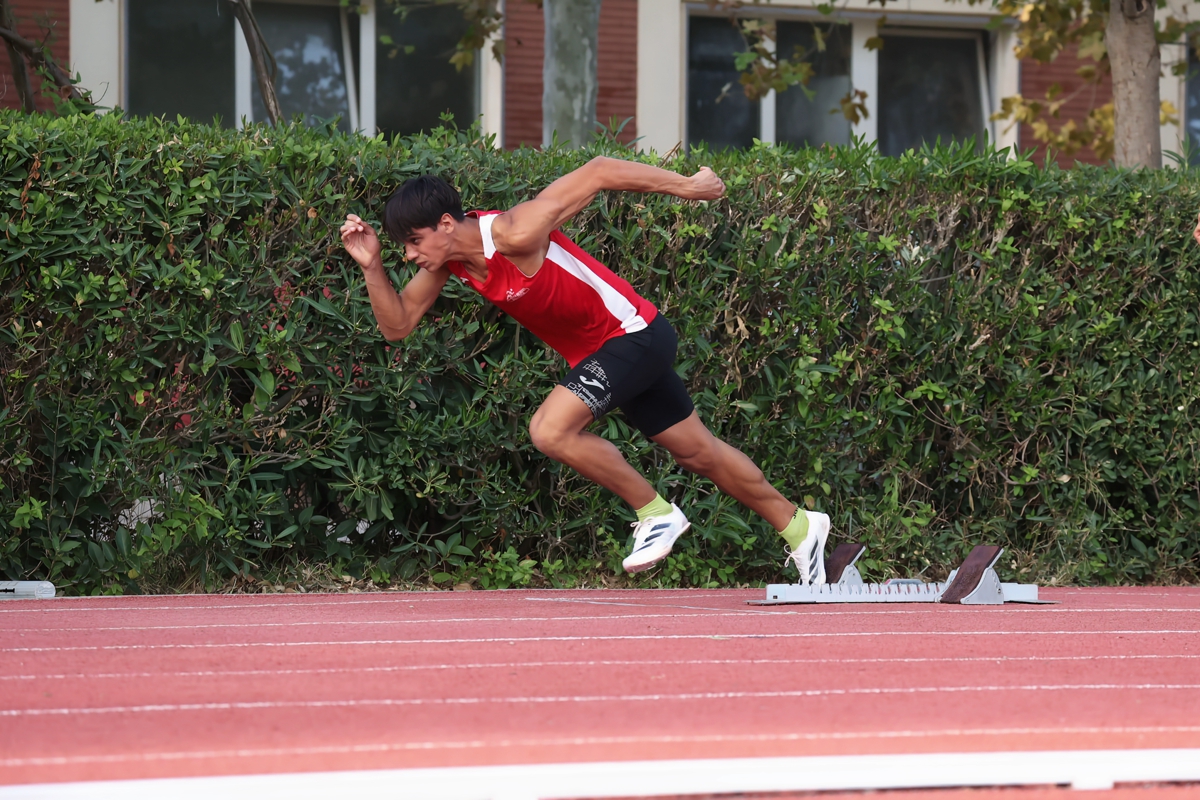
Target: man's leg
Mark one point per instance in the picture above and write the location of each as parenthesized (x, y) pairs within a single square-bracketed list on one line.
[(558, 429), (696, 449)]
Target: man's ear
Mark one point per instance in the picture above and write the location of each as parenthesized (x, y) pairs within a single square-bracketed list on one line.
[(447, 223)]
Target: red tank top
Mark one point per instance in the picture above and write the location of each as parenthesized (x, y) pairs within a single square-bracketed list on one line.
[(573, 303)]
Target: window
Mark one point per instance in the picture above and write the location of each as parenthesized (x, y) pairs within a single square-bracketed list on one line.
[(930, 87), (186, 57), (417, 87), (181, 59), (1192, 109), (808, 122), (314, 60), (923, 85), (718, 111)]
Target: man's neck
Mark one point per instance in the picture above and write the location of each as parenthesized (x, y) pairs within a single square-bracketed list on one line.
[(467, 247)]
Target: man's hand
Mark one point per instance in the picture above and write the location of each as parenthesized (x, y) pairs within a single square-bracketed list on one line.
[(361, 242), (705, 185), (1196, 233)]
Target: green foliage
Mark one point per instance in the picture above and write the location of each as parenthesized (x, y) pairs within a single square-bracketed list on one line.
[(939, 350)]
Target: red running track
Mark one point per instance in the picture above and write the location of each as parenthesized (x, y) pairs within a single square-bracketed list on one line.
[(218, 685)]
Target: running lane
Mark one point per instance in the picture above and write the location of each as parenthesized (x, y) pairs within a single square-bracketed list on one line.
[(210, 685)]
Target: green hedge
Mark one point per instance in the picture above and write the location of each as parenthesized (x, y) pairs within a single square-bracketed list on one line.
[(939, 350)]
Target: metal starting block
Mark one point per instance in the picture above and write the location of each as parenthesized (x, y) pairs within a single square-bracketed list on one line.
[(975, 582), (26, 590)]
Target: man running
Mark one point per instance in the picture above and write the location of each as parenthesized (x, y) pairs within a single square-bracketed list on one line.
[(619, 348)]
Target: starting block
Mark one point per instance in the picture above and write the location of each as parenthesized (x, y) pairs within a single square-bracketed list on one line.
[(975, 582), (26, 590)]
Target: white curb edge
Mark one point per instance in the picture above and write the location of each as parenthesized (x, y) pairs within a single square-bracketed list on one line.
[(1081, 769)]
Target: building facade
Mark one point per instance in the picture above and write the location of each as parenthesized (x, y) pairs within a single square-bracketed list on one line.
[(667, 71)]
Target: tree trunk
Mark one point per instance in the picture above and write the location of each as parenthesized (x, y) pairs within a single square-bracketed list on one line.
[(260, 57), (20, 68), (1133, 53), (569, 80)]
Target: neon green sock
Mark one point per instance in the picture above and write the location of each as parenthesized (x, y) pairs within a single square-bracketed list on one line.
[(796, 530), (655, 508)]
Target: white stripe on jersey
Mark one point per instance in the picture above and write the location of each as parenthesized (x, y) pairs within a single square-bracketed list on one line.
[(485, 230), (614, 301)]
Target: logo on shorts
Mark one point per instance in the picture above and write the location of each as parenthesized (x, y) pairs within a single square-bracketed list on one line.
[(583, 388), (515, 295), (595, 369)]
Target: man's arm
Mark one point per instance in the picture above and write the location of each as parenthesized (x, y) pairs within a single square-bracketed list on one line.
[(397, 314), (527, 227)]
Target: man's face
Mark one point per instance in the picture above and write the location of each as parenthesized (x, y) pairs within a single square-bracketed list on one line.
[(429, 248)]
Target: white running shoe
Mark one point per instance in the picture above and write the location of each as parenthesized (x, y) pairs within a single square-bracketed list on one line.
[(810, 555), (653, 538)]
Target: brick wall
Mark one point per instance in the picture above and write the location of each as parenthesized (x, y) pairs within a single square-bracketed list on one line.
[(29, 14), (1036, 79), (617, 65)]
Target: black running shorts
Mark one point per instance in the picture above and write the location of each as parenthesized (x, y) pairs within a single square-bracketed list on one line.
[(634, 373)]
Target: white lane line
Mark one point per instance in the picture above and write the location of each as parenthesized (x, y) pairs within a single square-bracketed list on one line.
[(341, 623), (715, 612), (257, 602), (569, 741), (509, 665), (1174, 591), (792, 610), (814, 610), (260, 705), (612, 638), (253, 603)]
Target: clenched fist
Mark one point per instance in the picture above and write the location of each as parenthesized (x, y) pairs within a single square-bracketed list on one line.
[(706, 185)]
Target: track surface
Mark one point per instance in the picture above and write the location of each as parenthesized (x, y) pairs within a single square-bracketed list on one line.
[(210, 685)]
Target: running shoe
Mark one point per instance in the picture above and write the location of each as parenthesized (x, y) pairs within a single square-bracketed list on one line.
[(810, 555), (653, 538)]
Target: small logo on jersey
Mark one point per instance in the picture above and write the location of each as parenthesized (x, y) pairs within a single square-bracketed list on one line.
[(515, 295), (590, 382)]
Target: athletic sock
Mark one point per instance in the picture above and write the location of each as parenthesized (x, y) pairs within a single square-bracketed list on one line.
[(796, 530), (655, 508)]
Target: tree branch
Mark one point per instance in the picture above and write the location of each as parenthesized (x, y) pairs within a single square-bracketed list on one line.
[(20, 69), (38, 55), (260, 56)]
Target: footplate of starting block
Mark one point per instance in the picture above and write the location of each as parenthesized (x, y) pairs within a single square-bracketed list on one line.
[(26, 590), (973, 583), (784, 593)]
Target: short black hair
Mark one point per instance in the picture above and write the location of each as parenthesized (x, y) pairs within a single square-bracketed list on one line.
[(420, 203)]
